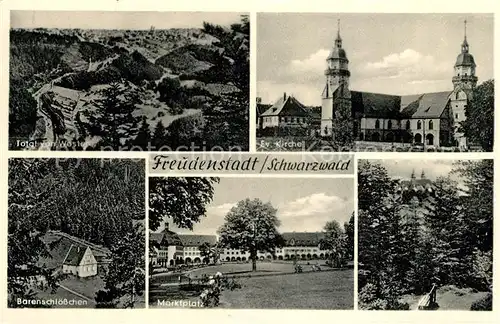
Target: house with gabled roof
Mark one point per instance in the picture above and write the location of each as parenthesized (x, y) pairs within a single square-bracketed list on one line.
[(287, 111), (80, 261)]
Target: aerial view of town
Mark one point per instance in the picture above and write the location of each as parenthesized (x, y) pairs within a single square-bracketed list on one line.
[(181, 81)]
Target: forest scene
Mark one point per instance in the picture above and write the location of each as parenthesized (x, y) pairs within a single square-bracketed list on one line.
[(423, 243), (152, 89), (76, 235)]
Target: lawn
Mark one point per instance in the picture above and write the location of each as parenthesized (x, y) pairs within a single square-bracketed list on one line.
[(235, 269), (309, 290), (315, 290)]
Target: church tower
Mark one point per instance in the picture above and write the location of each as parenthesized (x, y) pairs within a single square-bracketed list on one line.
[(464, 81), (465, 68), (336, 96)]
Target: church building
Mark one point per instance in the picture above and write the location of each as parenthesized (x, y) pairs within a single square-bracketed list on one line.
[(432, 119)]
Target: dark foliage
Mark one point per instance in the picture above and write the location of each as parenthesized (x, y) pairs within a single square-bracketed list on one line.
[(479, 125), (408, 242), (485, 304), (95, 200), (181, 200)]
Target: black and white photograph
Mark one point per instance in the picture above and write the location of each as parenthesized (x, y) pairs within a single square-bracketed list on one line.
[(76, 233), (129, 81), (375, 82), (425, 235), (251, 243)]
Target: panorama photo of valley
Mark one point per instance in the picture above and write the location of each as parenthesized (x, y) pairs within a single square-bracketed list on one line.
[(150, 81)]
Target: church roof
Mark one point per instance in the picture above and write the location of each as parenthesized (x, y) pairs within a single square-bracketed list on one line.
[(428, 105), (337, 53), (465, 59), (197, 240), (286, 105), (375, 104)]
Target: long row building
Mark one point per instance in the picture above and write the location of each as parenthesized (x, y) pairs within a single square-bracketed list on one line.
[(169, 248)]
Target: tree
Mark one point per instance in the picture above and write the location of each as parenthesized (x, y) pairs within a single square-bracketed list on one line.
[(209, 251), (24, 246), (349, 238), (334, 241), (227, 117), (143, 138), (113, 120), (125, 277), (478, 126), (343, 128), (478, 179), (183, 200), (22, 110), (251, 226), (159, 136)]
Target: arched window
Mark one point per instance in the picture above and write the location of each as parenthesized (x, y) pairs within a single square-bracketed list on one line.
[(431, 124), (377, 124), (408, 124), (389, 124), (419, 124)]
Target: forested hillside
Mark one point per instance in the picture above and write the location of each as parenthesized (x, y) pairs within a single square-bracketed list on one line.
[(100, 201), (174, 75)]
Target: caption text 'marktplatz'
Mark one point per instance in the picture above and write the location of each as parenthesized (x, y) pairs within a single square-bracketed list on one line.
[(255, 163)]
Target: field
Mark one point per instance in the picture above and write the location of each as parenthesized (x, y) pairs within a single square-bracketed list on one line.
[(274, 285)]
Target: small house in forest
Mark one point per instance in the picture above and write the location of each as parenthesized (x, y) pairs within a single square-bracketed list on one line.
[(80, 262)]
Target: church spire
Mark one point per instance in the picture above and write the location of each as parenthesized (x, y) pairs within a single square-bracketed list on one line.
[(465, 44), (338, 40)]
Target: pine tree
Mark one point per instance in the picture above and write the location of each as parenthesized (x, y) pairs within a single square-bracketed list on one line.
[(125, 277), (159, 136), (143, 138), (113, 119)]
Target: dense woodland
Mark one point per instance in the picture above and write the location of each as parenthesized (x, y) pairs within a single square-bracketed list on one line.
[(407, 243), (95, 200)]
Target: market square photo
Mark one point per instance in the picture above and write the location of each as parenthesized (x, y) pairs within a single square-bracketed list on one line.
[(251, 243), (375, 82)]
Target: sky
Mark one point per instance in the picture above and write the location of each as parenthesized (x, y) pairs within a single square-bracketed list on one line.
[(402, 168), (396, 54), (119, 20), (303, 204)]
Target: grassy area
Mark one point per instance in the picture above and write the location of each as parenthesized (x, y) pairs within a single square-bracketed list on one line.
[(313, 290), (450, 298), (62, 294), (317, 290), (85, 286)]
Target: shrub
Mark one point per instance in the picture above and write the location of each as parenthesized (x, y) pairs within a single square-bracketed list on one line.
[(484, 304), (215, 285)]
